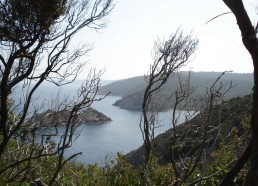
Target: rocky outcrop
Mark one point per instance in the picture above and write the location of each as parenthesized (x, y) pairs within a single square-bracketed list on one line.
[(92, 115), (51, 118)]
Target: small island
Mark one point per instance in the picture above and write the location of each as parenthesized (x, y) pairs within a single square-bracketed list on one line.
[(92, 115), (51, 118)]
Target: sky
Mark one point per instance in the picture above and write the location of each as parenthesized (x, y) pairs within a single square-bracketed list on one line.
[(124, 48)]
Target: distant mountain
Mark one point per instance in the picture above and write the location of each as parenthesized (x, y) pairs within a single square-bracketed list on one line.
[(131, 90), (124, 87)]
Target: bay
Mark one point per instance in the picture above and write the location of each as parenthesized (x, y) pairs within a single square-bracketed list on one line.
[(98, 141), (101, 141)]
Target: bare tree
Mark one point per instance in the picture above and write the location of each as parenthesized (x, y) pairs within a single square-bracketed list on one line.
[(249, 38), (169, 56), (34, 39), (192, 142), (201, 128)]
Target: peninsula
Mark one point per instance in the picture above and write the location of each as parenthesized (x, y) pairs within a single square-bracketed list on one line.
[(52, 118)]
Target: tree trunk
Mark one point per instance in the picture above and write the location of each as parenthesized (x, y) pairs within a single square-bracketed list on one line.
[(251, 43), (252, 175)]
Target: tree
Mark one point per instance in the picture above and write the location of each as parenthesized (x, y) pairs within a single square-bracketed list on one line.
[(34, 38), (169, 56), (190, 144), (249, 39)]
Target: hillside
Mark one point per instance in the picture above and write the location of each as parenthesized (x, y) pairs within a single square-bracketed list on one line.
[(124, 87), (132, 90), (189, 134)]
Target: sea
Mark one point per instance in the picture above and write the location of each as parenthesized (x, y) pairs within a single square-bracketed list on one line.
[(100, 142)]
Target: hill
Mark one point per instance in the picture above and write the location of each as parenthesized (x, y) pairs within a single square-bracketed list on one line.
[(132, 90), (123, 87), (223, 125)]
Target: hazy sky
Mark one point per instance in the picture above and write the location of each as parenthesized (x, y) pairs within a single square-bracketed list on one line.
[(124, 48)]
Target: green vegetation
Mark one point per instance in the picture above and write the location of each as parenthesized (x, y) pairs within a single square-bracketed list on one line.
[(233, 118), (35, 38), (125, 170), (35, 47)]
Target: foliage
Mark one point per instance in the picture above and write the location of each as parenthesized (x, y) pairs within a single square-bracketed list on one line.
[(225, 142), (35, 38), (121, 172)]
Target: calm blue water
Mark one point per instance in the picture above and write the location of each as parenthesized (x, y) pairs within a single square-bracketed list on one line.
[(98, 140), (122, 134)]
